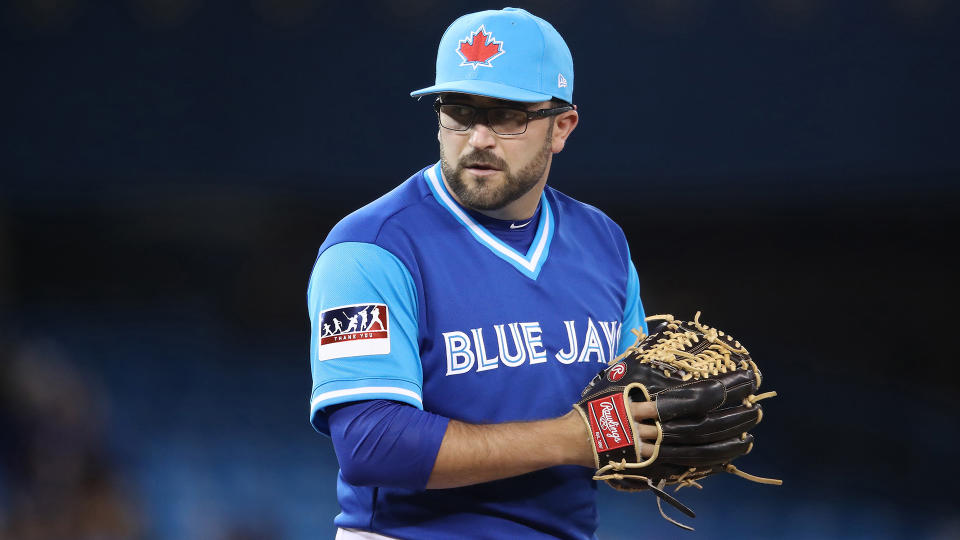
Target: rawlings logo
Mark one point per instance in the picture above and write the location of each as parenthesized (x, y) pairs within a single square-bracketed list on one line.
[(606, 421), (479, 48), (616, 372), (606, 416)]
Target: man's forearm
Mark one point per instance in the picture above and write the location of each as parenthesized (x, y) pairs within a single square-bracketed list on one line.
[(476, 453)]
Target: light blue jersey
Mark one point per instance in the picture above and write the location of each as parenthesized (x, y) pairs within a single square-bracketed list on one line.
[(412, 300)]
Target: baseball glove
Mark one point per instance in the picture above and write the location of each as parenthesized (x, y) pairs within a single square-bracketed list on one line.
[(703, 383)]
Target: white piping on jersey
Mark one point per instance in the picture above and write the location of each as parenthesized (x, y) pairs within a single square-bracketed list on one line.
[(533, 263), (357, 534), (364, 390)]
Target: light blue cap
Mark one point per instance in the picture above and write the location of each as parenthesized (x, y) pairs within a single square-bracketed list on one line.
[(506, 54)]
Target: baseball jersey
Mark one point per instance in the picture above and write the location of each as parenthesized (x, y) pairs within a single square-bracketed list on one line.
[(412, 300)]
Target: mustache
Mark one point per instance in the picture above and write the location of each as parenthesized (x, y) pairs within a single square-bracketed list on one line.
[(482, 157)]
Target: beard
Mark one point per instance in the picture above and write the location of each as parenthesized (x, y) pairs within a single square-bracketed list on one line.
[(484, 196)]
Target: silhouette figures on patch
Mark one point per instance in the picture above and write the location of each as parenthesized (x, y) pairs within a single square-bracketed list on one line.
[(363, 318), (357, 323), (352, 326), (375, 319)]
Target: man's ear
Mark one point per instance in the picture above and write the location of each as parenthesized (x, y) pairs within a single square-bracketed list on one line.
[(564, 124)]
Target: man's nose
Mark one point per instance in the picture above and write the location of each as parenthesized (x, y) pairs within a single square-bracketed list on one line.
[(481, 136)]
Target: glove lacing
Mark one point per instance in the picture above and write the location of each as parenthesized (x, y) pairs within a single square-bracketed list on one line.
[(672, 346)]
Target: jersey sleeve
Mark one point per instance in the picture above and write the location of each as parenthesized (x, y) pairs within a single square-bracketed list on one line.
[(633, 314), (363, 329)]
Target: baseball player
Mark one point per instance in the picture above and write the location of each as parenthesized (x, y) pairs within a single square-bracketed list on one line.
[(493, 300)]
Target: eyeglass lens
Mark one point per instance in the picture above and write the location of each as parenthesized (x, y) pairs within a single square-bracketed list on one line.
[(503, 121)]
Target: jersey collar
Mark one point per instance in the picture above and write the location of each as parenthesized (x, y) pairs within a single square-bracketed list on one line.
[(529, 263)]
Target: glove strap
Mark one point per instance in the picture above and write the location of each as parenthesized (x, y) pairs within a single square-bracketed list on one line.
[(658, 489), (663, 495)]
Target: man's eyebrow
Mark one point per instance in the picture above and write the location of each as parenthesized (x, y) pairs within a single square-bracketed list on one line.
[(463, 100), (495, 104)]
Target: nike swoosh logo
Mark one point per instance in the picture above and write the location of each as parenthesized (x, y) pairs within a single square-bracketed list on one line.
[(522, 225)]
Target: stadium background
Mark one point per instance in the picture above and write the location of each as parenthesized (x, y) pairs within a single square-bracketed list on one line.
[(169, 168)]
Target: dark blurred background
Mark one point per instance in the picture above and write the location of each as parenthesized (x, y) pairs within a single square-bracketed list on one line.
[(170, 167)]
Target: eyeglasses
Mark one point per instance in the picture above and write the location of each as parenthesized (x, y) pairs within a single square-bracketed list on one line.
[(502, 120)]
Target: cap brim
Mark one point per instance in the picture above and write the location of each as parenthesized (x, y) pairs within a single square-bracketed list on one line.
[(484, 88)]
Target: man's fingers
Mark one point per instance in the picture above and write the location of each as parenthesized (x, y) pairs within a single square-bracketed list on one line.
[(646, 449), (647, 433), (646, 410)]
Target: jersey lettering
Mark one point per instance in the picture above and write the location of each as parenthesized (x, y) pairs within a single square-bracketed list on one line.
[(460, 358), (481, 348), (525, 346), (531, 336), (591, 344), (520, 356), (570, 356), (611, 331)]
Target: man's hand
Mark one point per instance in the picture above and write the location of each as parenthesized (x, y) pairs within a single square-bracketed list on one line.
[(476, 453), (640, 411)]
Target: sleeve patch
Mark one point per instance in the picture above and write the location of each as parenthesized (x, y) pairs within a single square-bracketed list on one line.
[(353, 330)]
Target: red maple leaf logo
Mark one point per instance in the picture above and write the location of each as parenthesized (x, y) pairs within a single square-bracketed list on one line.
[(479, 48)]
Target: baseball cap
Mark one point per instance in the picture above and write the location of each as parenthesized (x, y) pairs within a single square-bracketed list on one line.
[(507, 54)]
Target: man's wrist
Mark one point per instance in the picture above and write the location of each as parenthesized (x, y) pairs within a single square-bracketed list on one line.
[(578, 446)]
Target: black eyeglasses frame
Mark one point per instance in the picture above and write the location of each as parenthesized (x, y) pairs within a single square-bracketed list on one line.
[(531, 115)]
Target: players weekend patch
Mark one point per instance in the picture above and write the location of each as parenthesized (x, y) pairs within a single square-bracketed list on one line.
[(609, 422), (355, 330)]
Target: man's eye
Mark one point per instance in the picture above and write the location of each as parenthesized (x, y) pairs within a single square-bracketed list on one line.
[(507, 115)]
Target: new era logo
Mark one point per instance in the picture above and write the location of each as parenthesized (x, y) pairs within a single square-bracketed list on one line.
[(354, 330), (561, 81)]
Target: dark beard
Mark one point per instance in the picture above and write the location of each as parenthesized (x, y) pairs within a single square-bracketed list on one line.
[(515, 186)]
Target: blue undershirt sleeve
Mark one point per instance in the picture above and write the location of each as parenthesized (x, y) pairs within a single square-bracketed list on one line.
[(385, 443), (633, 314)]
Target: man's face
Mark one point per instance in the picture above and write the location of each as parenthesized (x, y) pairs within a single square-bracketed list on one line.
[(487, 171)]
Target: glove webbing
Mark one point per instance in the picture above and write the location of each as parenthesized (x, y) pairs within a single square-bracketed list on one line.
[(671, 349)]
